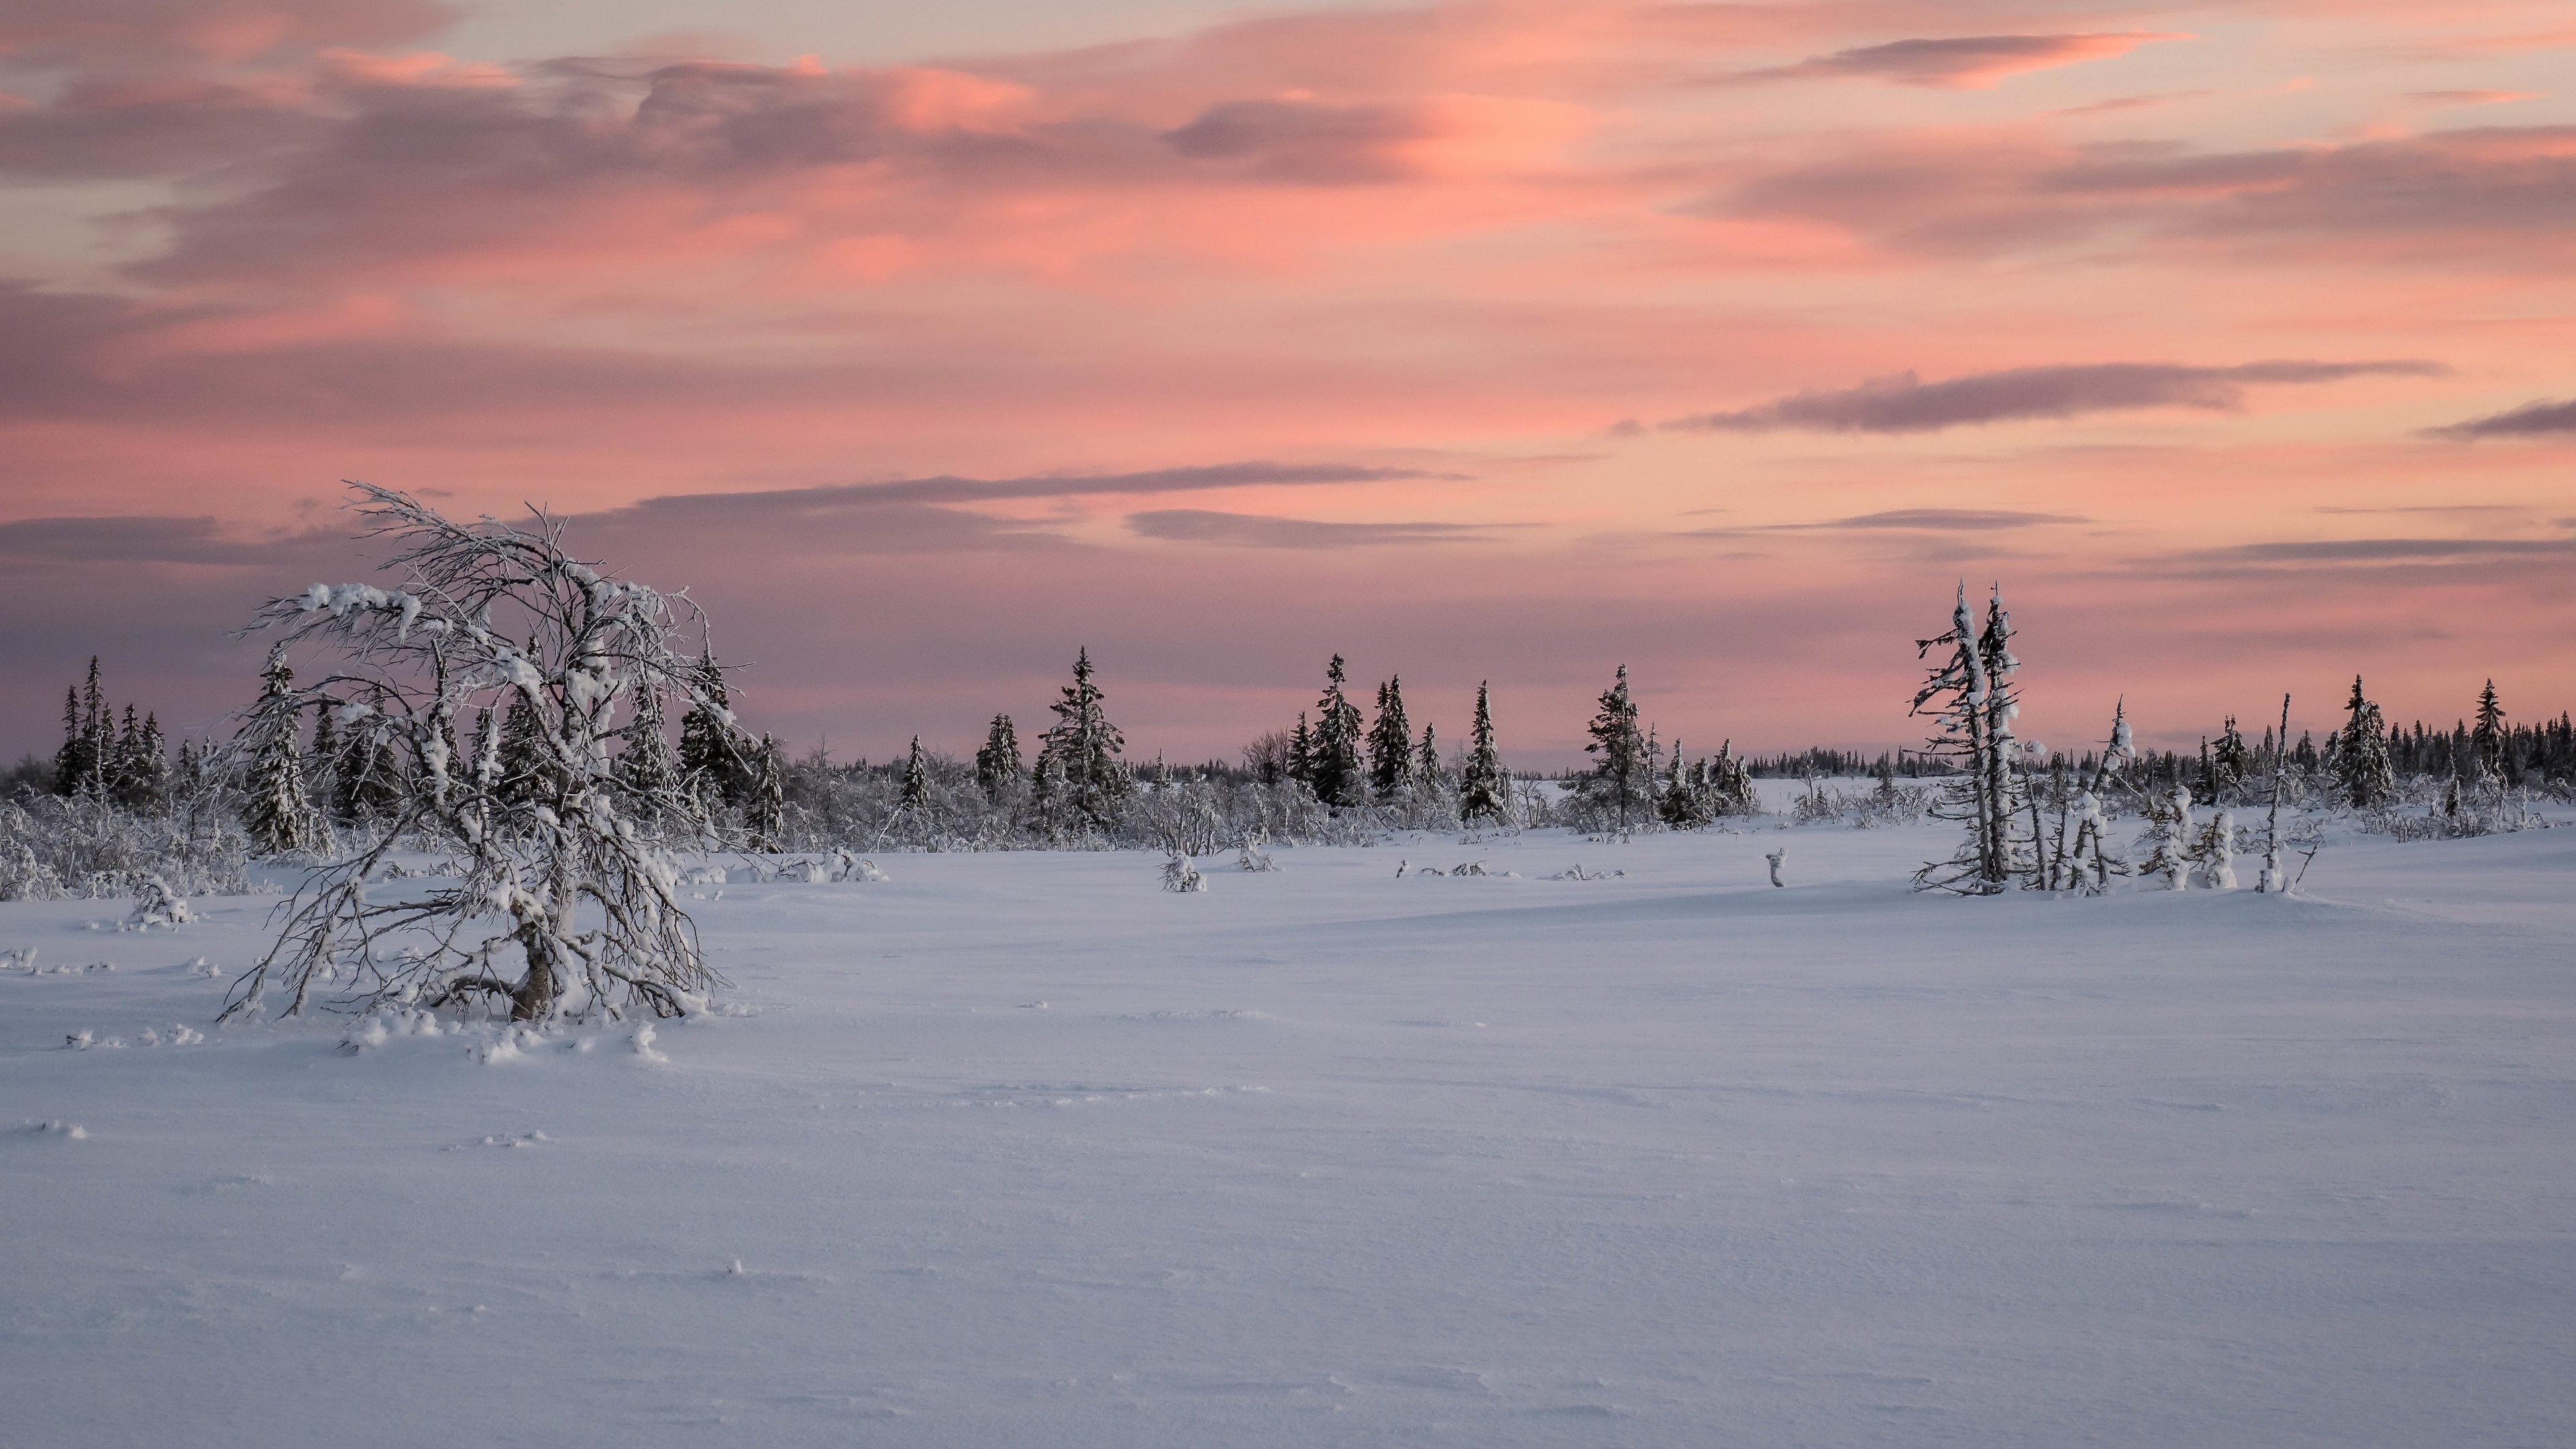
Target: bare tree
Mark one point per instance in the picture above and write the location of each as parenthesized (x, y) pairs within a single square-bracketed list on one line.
[(560, 905)]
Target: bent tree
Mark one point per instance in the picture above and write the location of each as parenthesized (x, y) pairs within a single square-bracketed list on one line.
[(563, 901)]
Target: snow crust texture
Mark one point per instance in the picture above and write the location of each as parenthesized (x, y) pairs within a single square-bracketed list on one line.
[(1024, 1150)]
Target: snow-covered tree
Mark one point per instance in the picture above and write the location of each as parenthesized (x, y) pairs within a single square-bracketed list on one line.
[(2273, 879), (2213, 852), (1334, 767), (1975, 713), (2357, 754), (2083, 859), (2169, 839), (713, 773), (1390, 743), (140, 777), (764, 802), (560, 903), (1301, 753), (997, 764), (916, 780), (1682, 804), (645, 769), (1088, 787), (1621, 782), (322, 757), (1428, 772), (2228, 761), (276, 812), (87, 762), (1484, 787), (366, 781)]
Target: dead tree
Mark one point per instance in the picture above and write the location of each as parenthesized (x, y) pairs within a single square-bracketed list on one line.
[(560, 904)]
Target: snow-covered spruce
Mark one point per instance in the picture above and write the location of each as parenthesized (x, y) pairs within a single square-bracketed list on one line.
[(560, 903), (1976, 708)]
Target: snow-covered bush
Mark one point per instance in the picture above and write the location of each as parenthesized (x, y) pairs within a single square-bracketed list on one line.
[(155, 904), (52, 847), (1180, 875)]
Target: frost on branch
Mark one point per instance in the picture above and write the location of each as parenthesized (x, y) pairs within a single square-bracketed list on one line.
[(563, 902)]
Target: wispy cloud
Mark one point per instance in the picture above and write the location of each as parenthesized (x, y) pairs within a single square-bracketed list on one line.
[(2531, 420), (1904, 403), (1960, 62), (1935, 520), (149, 539), (1249, 530)]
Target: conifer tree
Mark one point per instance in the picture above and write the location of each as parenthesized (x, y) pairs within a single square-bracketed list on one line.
[(1426, 762), (89, 762), (366, 782), (1301, 753), (1682, 803), (916, 780), (712, 770), (1390, 743), (645, 769), (1622, 771), (276, 813), (322, 760), (997, 765), (71, 762), (2357, 754), (525, 755), (1484, 790), (140, 777), (2487, 735), (2228, 761), (1334, 768), (1975, 716), (764, 812), (2169, 839), (1084, 747)]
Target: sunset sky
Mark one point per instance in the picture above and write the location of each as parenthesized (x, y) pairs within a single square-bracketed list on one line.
[(926, 344)]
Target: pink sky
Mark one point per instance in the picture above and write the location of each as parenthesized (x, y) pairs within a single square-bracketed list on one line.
[(1509, 341)]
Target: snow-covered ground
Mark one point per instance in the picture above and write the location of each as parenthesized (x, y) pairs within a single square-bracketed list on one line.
[(1020, 1150)]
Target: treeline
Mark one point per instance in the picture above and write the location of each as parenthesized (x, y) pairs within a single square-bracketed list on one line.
[(1337, 773)]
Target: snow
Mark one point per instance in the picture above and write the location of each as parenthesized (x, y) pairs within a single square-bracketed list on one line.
[(1021, 1149)]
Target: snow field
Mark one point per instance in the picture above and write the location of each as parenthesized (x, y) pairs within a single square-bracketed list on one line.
[(1023, 1150)]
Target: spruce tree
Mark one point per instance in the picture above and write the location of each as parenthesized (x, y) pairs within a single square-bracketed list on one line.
[(2228, 761), (997, 765), (1334, 765), (2487, 736), (1620, 782), (276, 812), (71, 764), (2357, 754), (1975, 713), (367, 782), (764, 813), (712, 771), (1484, 790), (1426, 762), (644, 769), (525, 760), (916, 780), (322, 760), (1084, 748), (1301, 753), (1390, 743), (1683, 805)]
